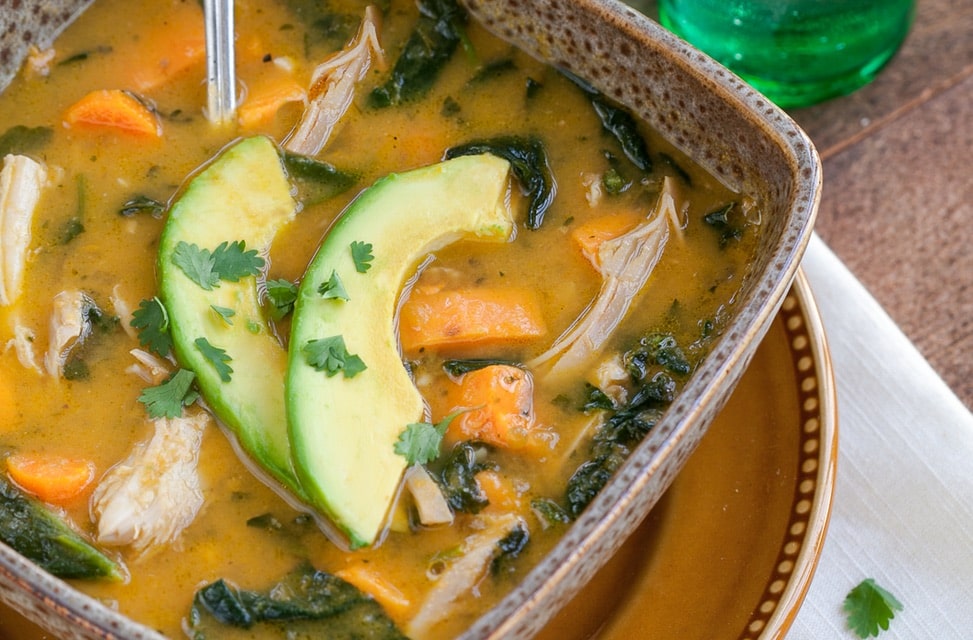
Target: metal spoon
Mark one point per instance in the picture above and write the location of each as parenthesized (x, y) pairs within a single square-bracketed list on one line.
[(220, 69)]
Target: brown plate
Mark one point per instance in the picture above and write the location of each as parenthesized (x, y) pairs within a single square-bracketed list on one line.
[(730, 549)]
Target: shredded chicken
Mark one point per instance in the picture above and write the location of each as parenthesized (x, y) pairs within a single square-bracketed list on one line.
[(70, 326), (476, 555), (23, 345), (333, 87), (429, 499), (150, 497), (123, 310), (21, 181), (149, 368), (625, 264)]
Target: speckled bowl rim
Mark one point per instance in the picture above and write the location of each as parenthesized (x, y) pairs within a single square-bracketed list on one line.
[(695, 99)]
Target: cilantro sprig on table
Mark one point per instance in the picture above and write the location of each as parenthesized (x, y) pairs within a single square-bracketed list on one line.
[(870, 608), (230, 261)]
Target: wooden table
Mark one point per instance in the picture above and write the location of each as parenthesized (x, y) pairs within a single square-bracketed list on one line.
[(897, 204)]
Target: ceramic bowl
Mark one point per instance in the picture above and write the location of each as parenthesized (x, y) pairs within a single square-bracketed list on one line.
[(701, 108)]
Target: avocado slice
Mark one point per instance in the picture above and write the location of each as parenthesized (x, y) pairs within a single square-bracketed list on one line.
[(344, 422), (243, 195)]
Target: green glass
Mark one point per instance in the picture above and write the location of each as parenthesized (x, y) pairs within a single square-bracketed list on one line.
[(796, 52)]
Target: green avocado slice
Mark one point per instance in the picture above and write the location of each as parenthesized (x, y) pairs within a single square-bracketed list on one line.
[(344, 419), (243, 195)]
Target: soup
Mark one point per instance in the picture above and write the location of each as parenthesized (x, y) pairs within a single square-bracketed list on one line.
[(578, 271)]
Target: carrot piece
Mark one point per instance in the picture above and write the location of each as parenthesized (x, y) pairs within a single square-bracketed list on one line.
[(170, 48), (500, 492), (500, 399), (369, 581), (265, 100), (466, 317), (590, 234), (114, 109), (53, 479)]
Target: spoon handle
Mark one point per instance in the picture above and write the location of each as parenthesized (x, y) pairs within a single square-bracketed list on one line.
[(220, 69)]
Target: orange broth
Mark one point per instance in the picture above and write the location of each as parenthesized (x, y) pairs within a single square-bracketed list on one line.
[(94, 172)]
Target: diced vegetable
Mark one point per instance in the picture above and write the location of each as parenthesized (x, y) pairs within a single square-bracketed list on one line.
[(590, 235), (21, 181), (53, 479), (500, 403), (500, 492), (303, 597), (371, 582), (428, 498), (39, 535), (265, 99), (170, 48), (151, 496), (461, 318), (114, 110)]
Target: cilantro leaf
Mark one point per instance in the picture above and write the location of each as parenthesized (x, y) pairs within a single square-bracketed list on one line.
[(224, 312), (197, 264), (152, 321), (361, 253), (331, 356), (217, 357), (333, 289), (168, 399), (232, 261), (229, 261), (870, 608), (419, 442), (282, 295)]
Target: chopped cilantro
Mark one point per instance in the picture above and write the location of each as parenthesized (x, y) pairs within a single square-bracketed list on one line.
[(333, 289), (282, 295), (234, 262), (361, 253), (168, 399), (229, 262), (419, 442), (331, 356), (217, 358), (197, 264), (152, 322), (870, 608), (224, 312)]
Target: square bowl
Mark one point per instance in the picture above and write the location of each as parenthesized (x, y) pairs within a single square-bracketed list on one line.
[(700, 108)]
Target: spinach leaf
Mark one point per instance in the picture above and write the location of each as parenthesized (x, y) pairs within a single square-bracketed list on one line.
[(528, 160), (459, 367), (434, 38), (20, 139), (305, 594), (40, 536), (142, 204), (457, 478), (720, 220), (509, 548), (316, 181), (619, 123)]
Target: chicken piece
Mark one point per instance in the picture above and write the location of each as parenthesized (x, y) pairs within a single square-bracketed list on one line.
[(333, 87), (150, 497), (625, 264), (21, 181), (69, 327), (431, 504), (477, 553)]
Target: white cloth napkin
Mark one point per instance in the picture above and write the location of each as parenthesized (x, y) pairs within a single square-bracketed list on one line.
[(903, 503)]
